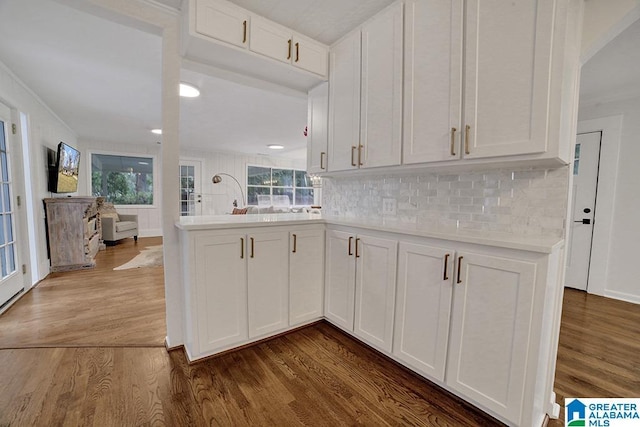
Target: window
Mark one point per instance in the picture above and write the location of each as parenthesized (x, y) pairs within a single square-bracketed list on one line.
[(269, 182), (122, 180)]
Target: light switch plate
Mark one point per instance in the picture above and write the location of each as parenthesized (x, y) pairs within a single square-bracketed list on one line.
[(389, 206)]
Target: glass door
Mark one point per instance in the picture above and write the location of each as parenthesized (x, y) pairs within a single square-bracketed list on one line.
[(190, 194), (11, 281)]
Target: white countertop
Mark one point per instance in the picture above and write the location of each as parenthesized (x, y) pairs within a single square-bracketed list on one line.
[(531, 243)]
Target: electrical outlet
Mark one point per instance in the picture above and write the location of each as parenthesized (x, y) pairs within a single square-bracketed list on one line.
[(389, 206)]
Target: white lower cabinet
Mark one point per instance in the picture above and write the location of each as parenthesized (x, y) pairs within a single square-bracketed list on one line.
[(491, 327), (360, 285), (268, 279), (306, 275), (423, 307)]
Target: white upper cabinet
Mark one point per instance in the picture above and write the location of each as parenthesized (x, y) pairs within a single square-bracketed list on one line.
[(282, 44), (344, 103), (317, 128), (491, 326), (507, 77), (423, 307), (222, 21), (381, 97), (433, 80)]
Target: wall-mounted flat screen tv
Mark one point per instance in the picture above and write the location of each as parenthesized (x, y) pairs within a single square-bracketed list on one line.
[(64, 177)]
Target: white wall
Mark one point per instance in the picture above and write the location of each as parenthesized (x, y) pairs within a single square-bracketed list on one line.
[(621, 279), (149, 218), (217, 199), (603, 21), (46, 131)]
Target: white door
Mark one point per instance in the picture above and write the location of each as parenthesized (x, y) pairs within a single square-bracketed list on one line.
[(220, 291), (376, 261), (381, 105), (318, 128), (190, 193), (344, 104), (222, 21), (268, 278), (11, 280), (585, 181), (306, 275), (507, 72), (433, 80), (423, 307), (490, 331), (340, 273)]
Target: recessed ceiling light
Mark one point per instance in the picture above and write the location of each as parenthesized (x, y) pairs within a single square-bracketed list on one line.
[(157, 131), (189, 91), (275, 146)]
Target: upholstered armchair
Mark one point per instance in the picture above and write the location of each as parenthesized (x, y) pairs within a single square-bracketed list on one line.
[(116, 226)]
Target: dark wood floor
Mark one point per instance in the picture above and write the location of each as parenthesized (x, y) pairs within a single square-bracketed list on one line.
[(109, 369)]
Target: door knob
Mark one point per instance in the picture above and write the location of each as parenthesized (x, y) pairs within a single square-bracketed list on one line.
[(584, 221), (586, 210)]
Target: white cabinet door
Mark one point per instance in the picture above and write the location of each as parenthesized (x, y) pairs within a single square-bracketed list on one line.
[(490, 329), (381, 103), (222, 21), (268, 278), (375, 290), (309, 55), (318, 127), (270, 40), (507, 72), (340, 278), (433, 80), (344, 103), (306, 275), (220, 277), (423, 307)]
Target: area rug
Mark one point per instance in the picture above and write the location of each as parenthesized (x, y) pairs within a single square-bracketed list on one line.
[(150, 256)]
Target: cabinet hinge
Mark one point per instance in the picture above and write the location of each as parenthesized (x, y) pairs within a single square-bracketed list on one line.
[(24, 268), (14, 129), (18, 201)]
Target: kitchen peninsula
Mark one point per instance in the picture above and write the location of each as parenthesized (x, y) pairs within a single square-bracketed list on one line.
[(473, 312)]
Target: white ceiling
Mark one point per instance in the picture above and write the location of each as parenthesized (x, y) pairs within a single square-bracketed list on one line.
[(614, 72)]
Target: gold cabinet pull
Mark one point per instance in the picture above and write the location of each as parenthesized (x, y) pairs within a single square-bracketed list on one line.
[(244, 31), (295, 244), (322, 166), (446, 264), (357, 252), (350, 239), (252, 248), (297, 52), (453, 141), (289, 54), (360, 147), (353, 148), (467, 129), (459, 269), (242, 248)]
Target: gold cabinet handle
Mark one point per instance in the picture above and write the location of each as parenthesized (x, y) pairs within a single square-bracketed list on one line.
[(453, 141), (446, 264), (459, 269), (322, 166), (244, 31), (252, 248), (467, 129), (357, 252), (353, 148), (242, 248), (350, 239), (289, 54), (297, 52), (295, 244), (360, 147)]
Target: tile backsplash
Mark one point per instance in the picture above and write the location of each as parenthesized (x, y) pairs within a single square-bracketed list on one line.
[(524, 201)]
